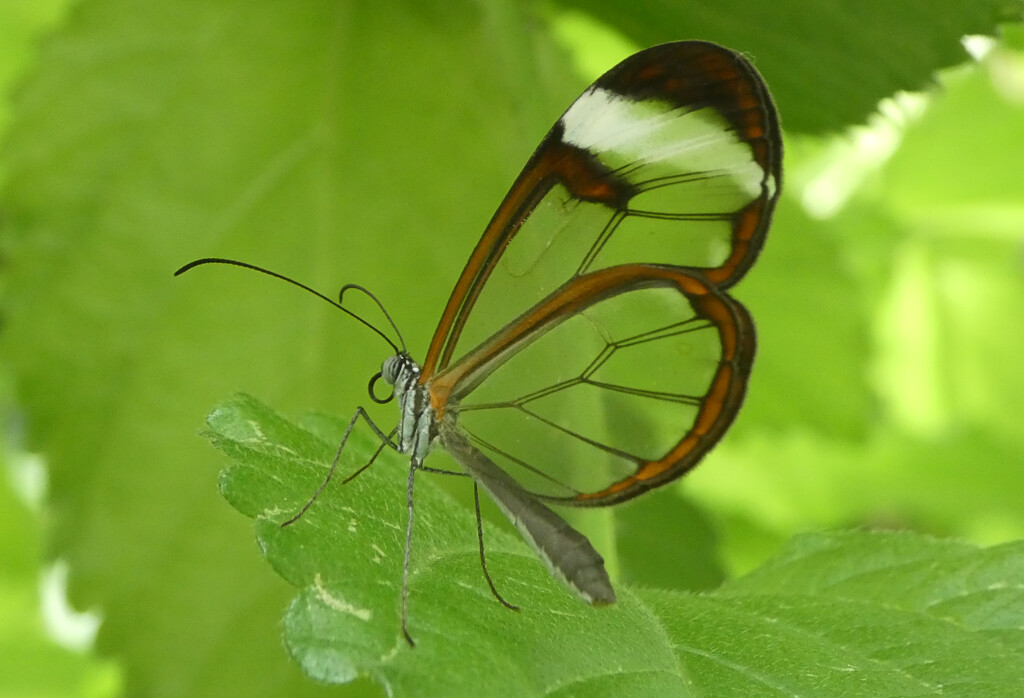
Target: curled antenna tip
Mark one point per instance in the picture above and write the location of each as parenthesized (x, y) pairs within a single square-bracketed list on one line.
[(204, 260)]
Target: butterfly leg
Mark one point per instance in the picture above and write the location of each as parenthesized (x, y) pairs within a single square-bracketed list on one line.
[(440, 471), (408, 548), (479, 532), (483, 559), (386, 440)]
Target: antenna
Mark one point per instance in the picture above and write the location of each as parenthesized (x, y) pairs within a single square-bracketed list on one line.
[(383, 310), (337, 304)]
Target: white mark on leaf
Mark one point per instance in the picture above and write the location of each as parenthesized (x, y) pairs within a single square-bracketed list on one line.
[(339, 604)]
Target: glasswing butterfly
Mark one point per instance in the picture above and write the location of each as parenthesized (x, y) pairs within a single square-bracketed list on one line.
[(623, 359)]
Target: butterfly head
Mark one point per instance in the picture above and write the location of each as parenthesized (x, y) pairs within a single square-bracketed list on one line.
[(399, 371)]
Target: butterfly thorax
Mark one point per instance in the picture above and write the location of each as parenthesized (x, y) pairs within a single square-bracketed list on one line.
[(417, 428)]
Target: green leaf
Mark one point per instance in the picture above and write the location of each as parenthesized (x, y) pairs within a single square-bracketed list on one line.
[(690, 561), (853, 613)]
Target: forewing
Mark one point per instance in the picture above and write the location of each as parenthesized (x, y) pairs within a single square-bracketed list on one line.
[(673, 157)]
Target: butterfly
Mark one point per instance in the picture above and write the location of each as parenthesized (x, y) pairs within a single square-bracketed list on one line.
[(589, 351)]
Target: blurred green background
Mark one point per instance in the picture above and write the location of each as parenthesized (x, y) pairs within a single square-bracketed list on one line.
[(338, 142)]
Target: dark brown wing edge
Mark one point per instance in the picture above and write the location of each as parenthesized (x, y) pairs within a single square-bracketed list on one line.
[(698, 74)]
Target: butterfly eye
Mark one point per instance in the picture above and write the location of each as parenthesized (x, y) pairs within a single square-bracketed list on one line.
[(390, 369)]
